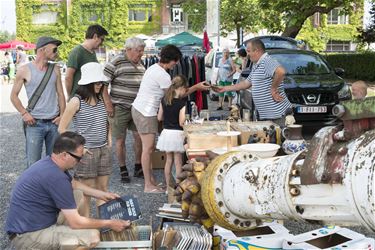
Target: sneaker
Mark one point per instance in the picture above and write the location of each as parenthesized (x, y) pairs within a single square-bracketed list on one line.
[(219, 108)]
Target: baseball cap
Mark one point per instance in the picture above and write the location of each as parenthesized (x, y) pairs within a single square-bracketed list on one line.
[(44, 40)]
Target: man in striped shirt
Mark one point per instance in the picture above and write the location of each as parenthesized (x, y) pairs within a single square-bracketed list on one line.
[(125, 72), (266, 79)]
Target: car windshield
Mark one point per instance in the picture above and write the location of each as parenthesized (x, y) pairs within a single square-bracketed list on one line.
[(219, 55), (278, 43), (302, 64)]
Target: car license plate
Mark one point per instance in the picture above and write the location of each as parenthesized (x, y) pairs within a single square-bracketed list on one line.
[(312, 109)]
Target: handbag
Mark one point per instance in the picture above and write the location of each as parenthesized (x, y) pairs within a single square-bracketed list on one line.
[(38, 92)]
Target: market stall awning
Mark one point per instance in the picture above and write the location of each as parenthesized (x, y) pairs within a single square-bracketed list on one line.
[(181, 39), (14, 44)]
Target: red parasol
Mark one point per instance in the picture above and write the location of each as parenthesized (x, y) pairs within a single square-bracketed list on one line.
[(14, 44), (206, 42)]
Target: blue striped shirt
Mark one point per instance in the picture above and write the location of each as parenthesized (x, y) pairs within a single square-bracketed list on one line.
[(261, 79), (91, 123)]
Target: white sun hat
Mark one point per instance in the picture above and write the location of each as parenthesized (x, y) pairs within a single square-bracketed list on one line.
[(92, 72)]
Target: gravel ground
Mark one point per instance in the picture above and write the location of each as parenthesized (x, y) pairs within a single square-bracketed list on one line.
[(12, 163)]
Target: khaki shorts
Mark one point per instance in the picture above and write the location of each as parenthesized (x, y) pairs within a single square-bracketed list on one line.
[(145, 124), (121, 121), (57, 236), (96, 163)]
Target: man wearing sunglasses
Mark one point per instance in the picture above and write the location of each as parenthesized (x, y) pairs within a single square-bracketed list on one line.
[(43, 211), (41, 121)]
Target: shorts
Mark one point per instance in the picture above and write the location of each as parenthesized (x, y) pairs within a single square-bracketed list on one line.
[(96, 163), (145, 124), (121, 121), (57, 236), (227, 93)]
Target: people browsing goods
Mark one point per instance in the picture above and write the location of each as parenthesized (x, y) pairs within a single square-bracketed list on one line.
[(46, 100), (172, 113), (89, 116), (44, 211)]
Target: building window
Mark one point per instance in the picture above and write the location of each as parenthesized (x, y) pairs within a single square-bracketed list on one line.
[(338, 46), (45, 16), (335, 17), (140, 12), (177, 16)]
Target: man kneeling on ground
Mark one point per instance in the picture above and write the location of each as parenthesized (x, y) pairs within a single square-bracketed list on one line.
[(45, 189)]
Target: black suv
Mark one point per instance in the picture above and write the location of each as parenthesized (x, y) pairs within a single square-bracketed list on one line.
[(311, 85)]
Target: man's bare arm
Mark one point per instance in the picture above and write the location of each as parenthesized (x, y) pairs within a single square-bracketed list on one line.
[(60, 95), (69, 80), (76, 221), (277, 79), (21, 78)]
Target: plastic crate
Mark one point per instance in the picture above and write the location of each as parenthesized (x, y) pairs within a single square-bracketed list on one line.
[(144, 242)]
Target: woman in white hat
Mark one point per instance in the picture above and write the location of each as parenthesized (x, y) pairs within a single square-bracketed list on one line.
[(89, 116)]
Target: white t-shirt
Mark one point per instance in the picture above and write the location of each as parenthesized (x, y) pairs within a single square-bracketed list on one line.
[(154, 82)]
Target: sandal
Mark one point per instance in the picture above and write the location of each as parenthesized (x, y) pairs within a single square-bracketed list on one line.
[(124, 174), (138, 171)]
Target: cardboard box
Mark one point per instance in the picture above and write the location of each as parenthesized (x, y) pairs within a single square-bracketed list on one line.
[(158, 159), (267, 236), (329, 237)]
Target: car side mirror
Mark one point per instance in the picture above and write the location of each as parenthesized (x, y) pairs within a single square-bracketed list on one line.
[(339, 71)]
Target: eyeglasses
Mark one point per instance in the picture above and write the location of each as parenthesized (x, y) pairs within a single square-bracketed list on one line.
[(54, 50), (78, 158)]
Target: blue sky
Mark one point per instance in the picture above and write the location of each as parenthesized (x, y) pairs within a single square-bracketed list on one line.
[(8, 15)]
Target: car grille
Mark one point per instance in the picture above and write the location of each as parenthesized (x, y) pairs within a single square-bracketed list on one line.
[(312, 98)]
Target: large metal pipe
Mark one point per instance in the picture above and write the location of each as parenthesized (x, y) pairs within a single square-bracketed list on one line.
[(239, 190)]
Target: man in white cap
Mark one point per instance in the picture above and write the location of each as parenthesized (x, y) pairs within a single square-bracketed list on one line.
[(41, 117)]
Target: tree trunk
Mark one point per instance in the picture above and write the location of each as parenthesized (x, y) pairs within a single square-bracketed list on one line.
[(292, 31), (238, 30)]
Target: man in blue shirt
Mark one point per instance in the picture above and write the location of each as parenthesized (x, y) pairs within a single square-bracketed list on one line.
[(46, 189)]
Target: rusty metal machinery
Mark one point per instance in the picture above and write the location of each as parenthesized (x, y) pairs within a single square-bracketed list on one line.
[(330, 183)]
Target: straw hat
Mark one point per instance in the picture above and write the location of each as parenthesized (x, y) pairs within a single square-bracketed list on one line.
[(92, 72)]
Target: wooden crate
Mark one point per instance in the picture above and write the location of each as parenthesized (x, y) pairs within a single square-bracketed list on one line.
[(204, 136)]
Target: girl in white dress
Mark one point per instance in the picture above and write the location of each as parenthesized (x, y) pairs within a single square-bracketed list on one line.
[(172, 113)]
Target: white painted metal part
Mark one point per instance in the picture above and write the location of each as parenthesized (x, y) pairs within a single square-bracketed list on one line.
[(251, 189)]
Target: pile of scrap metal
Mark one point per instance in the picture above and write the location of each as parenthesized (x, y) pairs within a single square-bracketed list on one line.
[(330, 183)]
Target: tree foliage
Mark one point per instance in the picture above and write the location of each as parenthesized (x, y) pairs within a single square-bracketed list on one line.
[(196, 13), (367, 35), (237, 14), (111, 14), (6, 36), (288, 16)]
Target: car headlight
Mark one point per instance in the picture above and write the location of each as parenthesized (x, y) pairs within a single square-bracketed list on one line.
[(345, 93)]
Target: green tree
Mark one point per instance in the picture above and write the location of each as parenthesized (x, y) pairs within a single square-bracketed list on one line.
[(237, 14), (6, 36), (196, 13), (289, 16), (367, 35)]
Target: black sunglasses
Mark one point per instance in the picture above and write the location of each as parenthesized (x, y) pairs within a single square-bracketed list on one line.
[(54, 50), (78, 158)]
